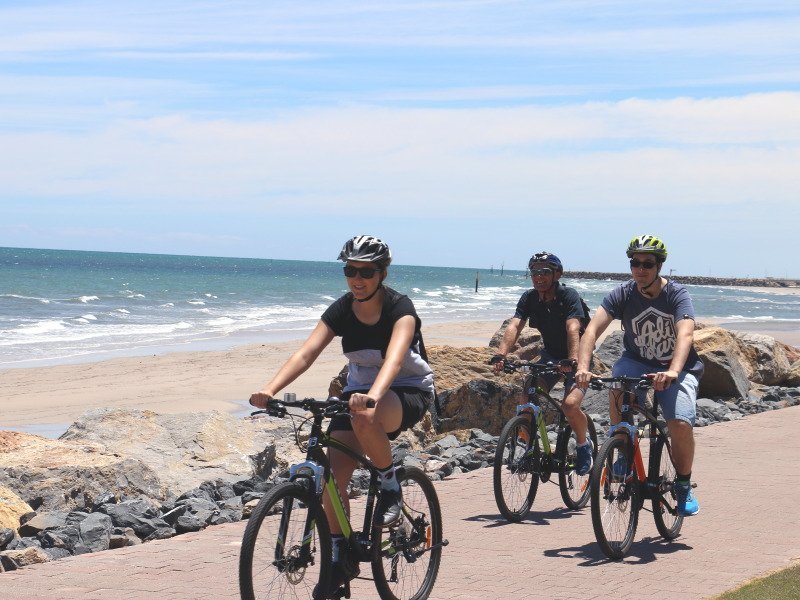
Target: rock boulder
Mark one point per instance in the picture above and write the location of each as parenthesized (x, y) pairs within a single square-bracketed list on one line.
[(12, 507)]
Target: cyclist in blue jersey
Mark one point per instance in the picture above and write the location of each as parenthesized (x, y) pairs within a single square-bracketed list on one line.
[(558, 312), (381, 339), (658, 321)]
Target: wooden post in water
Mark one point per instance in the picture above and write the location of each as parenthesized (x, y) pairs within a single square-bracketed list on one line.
[(476, 281)]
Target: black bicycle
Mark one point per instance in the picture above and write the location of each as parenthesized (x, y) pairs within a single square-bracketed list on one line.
[(524, 456), (286, 549), (620, 483)]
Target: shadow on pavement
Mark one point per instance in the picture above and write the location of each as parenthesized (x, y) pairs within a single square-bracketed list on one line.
[(642, 552), (533, 518)]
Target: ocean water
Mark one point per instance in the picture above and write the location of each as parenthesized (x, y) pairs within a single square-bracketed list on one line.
[(59, 306)]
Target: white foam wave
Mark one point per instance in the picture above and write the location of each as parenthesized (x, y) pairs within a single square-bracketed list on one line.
[(20, 297), (196, 302), (122, 310), (87, 299)]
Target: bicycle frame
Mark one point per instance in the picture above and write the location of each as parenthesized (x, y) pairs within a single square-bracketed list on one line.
[(317, 470), (534, 392), (647, 478)]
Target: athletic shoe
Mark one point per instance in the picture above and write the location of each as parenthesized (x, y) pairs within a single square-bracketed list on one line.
[(687, 503), (389, 506), (583, 458)]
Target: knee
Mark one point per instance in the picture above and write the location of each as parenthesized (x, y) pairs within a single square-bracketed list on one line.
[(572, 403), (364, 420)]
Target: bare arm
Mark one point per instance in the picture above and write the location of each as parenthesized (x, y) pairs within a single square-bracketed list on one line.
[(297, 364), (573, 338), (599, 323), (510, 337)]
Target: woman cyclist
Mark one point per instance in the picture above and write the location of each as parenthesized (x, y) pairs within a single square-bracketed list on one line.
[(381, 339)]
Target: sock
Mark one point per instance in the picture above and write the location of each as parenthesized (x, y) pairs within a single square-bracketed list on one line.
[(337, 541), (586, 443), (683, 479), (388, 480)]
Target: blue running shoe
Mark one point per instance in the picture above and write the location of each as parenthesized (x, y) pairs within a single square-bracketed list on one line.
[(583, 458), (687, 503)]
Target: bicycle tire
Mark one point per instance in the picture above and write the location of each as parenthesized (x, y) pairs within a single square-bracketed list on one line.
[(406, 555), (267, 571), (574, 488), (615, 498), (517, 461), (668, 524)]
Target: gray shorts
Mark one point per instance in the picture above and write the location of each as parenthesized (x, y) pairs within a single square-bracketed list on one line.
[(678, 401)]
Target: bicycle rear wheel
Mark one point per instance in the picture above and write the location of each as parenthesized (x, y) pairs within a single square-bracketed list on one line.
[(286, 548), (668, 523), (615, 498), (516, 469), (574, 488), (406, 555)]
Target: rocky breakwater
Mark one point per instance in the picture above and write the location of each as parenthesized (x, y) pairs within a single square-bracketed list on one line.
[(119, 477)]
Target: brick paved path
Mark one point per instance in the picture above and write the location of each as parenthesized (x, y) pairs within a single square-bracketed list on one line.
[(749, 524)]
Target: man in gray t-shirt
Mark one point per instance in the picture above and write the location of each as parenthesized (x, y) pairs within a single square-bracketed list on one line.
[(658, 319)]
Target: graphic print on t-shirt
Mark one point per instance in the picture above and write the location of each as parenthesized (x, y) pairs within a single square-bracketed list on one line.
[(654, 334)]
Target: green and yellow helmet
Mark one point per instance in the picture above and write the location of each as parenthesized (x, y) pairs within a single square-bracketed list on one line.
[(647, 244)]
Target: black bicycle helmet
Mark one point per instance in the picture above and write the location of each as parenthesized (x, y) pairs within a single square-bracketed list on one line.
[(366, 248), (546, 257), (647, 244)]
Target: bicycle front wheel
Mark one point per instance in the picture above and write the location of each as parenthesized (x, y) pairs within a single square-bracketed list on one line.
[(615, 498), (286, 548), (574, 488), (668, 521), (406, 555), (516, 469)]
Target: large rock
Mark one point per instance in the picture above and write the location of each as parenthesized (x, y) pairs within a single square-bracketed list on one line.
[(12, 507), (725, 373), (766, 359), (481, 403), (190, 448), (14, 559), (792, 378), (611, 349), (56, 474), (527, 347)]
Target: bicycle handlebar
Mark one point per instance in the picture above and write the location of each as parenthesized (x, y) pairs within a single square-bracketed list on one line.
[(329, 407), (641, 383), (536, 368)]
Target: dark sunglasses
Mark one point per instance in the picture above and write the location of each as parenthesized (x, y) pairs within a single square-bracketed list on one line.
[(541, 272), (644, 264), (365, 272)]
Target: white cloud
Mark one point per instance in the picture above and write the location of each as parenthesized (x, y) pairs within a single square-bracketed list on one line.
[(680, 151)]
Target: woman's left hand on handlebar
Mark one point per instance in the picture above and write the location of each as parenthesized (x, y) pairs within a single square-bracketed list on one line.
[(663, 379), (260, 399), (358, 401)]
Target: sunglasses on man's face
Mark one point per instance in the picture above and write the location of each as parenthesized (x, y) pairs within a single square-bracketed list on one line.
[(541, 272), (365, 272), (644, 264)]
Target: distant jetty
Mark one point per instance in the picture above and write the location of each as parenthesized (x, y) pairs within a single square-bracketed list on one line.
[(693, 279)]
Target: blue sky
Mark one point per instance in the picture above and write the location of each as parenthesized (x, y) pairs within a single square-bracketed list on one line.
[(465, 133)]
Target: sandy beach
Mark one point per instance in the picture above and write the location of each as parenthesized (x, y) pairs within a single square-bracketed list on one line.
[(178, 382)]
